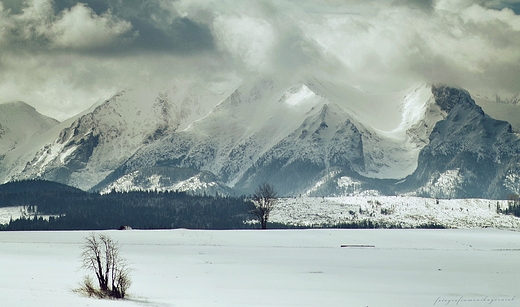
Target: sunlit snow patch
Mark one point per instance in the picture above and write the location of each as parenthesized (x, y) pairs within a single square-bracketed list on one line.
[(67, 153), (297, 95)]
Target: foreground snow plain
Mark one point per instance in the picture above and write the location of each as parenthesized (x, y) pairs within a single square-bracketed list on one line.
[(455, 267)]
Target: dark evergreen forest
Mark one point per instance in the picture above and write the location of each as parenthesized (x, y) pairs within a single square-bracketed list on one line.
[(75, 209)]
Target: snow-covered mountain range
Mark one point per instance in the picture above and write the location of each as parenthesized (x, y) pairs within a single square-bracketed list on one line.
[(309, 137)]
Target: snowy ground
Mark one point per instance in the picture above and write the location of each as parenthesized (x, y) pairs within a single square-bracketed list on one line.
[(455, 267), (388, 211), (8, 213)]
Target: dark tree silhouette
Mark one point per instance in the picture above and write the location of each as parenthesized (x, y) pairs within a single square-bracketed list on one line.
[(101, 256), (263, 202)]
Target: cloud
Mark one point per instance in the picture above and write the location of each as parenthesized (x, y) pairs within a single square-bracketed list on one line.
[(377, 45), (114, 27), (420, 4), (157, 26), (249, 39), (393, 45), (180, 35), (98, 6), (63, 56), (67, 53), (81, 28), (513, 5), (36, 27)]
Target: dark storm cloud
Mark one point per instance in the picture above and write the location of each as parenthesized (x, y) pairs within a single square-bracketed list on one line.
[(181, 35), (98, 6), (155, 28), (15, 6), (501, 4), (420, 4)]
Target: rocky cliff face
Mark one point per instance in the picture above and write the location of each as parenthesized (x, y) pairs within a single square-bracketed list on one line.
[(469, 153)]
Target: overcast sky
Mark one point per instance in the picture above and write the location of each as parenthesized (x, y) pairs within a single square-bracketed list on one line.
[(62, 56)]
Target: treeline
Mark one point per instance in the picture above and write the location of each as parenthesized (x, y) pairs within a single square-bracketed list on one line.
[(35, 185), (513, 205), (78, 210)]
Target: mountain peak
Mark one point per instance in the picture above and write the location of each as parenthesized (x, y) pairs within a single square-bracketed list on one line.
[(11, 108), (332, 113), (19, 122), (16, 104), (449, 97), (297, 95)]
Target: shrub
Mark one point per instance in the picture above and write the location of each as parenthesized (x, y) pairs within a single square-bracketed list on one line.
[(101, 257)]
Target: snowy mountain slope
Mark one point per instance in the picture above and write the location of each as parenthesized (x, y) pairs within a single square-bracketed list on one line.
[(249, 122), (17, 159), (290, 134), (326, 142), (399, 124), (19, 122), (98, 141), (469, 153)]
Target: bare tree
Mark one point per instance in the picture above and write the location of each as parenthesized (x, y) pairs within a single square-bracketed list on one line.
[(263, 202), (101, 256)]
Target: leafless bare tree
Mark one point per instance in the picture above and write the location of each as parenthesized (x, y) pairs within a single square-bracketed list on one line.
[(263, 202), (101, 256)]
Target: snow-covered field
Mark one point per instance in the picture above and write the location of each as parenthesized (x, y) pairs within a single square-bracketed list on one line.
[(394, 211), (455, 267)]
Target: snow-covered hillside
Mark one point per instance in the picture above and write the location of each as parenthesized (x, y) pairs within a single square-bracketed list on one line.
[(19, 123), (98, 141), (475, 267)]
